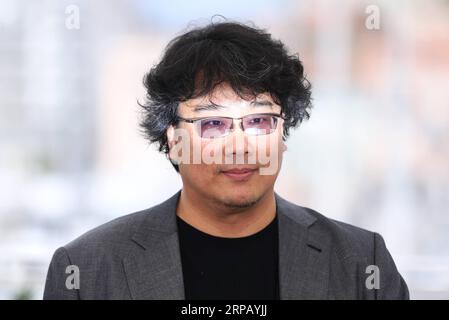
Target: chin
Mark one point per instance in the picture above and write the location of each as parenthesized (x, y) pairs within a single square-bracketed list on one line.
[(240, 199)]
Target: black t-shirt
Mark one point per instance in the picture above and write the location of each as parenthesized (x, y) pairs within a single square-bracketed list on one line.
[(229, 268)]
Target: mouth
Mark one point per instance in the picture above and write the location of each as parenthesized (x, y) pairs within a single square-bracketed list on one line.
[(240, 174)]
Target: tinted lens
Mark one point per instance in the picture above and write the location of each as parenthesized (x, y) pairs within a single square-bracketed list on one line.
[(215, 127), (258, 124)]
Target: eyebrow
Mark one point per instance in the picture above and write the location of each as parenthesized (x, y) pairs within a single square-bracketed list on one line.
[(262, 103), (204, 107), (213, 106)]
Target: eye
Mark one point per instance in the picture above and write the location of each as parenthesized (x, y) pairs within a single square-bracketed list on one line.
[(259, 120), (212, 123)]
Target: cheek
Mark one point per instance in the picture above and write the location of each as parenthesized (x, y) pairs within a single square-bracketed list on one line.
[(197, 174), (268, 148), (202, 168), (194, 151), (211, 153)]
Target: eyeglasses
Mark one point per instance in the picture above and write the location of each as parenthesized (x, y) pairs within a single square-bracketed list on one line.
[(218, 127)]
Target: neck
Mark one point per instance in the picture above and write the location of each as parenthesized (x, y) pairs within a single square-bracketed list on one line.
[(219, 220)]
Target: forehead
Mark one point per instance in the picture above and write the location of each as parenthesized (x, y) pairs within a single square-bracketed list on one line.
[(224, 100)]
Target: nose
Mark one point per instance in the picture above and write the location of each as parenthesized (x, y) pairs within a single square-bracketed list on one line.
[(237, 125), (236, 143)]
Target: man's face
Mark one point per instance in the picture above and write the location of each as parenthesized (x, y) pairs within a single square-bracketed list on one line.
[(235, 169)]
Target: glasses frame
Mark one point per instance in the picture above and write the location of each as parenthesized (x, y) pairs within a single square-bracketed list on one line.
[(231, 129)]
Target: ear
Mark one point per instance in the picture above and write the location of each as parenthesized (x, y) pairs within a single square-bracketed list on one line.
[(171, 142), (283, 146), (171, 136)]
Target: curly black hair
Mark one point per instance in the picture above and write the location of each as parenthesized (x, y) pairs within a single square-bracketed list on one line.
[(246, 58)]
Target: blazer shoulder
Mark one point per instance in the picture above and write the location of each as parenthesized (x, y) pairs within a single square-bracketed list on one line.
[(348, 240), (112, 236)]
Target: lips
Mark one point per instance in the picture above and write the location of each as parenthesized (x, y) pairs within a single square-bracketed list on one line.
[(239, 174)]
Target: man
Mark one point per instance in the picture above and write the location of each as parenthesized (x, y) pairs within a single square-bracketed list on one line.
[(220, 105)]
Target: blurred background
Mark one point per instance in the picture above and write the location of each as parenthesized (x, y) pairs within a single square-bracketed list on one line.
[(375, 152)]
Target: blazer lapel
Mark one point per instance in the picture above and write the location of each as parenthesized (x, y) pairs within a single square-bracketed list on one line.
[(156, 272), (303, 254)]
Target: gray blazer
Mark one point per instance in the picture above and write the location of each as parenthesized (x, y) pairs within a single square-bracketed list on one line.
[(137, 257)]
